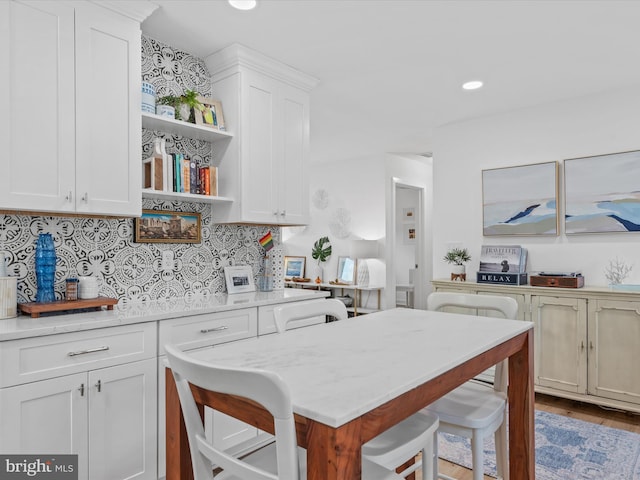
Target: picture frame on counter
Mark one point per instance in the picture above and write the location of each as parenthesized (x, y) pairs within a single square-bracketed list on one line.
[(239, 279), (164, 226), (211, 114), (294, 267)]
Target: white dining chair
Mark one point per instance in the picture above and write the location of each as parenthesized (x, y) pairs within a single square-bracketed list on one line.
[(402, 442), (476, 410), (280, 460)]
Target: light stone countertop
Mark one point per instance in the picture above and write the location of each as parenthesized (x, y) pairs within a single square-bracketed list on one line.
[(340, 370), (23, 326)]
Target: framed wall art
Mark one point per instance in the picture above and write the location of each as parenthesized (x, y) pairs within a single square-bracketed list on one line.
[(520, 200), (294, 267), (211, 114), (409, 233), (602, 193), (161, 226), (239, 279)]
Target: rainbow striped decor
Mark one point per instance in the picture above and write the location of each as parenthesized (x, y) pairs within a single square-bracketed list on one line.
[(267, 242)]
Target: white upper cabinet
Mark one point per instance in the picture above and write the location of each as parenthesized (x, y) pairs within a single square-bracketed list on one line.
[(71, 130), (265, 166)]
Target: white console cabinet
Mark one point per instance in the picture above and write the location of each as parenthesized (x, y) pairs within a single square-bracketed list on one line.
[(265, 166), (91, 393), (71, 129), (587, 340)]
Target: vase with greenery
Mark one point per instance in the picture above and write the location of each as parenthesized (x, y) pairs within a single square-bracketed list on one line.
[(457, 257), (183, 105), (320, 252)]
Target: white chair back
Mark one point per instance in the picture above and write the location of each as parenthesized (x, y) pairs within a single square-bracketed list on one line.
[(506, 306), (286, 314), (265, 388)]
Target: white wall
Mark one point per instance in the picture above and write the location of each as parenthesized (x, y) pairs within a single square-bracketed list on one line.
[(355, 187), (585, 126)]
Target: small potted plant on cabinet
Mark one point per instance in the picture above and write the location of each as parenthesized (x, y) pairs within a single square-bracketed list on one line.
[(320, 252), (458, 257)]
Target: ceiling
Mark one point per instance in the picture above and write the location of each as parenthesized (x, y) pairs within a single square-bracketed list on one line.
[(391, 71)]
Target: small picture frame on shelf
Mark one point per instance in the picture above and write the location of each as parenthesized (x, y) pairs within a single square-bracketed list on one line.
[(239, 279), (211, 114), (294, 267), (163, 226)]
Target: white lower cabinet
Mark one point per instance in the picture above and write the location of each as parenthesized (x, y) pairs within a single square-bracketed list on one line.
[(587, 340), (105, 415), (560, 335), (614, 350), (197, 332)]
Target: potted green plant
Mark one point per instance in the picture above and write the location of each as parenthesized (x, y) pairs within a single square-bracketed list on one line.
[(457, 257), (183, 105), (320, 252)]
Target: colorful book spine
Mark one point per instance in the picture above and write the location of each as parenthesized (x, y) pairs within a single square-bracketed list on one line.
[(193, 177), (207, 189), (178, 171), (185, 184)]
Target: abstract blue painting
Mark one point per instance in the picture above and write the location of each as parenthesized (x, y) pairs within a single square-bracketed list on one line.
[(602, 193), (520, 200)]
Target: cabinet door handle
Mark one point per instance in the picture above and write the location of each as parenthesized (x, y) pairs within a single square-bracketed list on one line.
[(81, 389), (591, 345), (216, 329), (90, 350), (582, 345), (99, 386), (69, 197), (85, 197), (276, 213), (283, 213)]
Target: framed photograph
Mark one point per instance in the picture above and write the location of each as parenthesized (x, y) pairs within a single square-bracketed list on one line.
[(162, 226), (239, 279), (346, 270), (409, 214), (602, 193), (294, 267), (409, 236), (521, 200), (211, 115)]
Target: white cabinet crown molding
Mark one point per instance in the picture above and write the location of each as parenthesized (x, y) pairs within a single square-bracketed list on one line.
[(226, 62), (137, 10)]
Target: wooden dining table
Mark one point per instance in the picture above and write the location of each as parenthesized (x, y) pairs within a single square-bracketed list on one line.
[(352, 380)]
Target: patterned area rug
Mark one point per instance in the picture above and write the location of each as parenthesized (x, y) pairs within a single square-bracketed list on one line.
[(566, 449)]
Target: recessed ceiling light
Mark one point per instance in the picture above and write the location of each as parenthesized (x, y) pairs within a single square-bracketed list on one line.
[(243, 4), (472, 85)]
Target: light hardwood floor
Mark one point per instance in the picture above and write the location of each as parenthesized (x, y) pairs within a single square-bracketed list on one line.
[(569, 408)]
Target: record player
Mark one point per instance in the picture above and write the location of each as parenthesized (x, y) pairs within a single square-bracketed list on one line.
[(557, 279)]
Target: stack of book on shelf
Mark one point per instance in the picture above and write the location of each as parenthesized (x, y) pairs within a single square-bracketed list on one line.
[(506, 264), (175, 172)]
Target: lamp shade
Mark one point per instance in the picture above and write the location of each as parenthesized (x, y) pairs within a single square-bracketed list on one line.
[(364, 249)]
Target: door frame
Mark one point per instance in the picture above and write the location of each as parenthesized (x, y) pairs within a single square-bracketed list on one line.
[(422, 272)]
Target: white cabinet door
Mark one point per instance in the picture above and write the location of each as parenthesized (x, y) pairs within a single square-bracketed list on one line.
[(122, 421), (108, 125), (614, 350), (560, 343), (293, 152), (71, 88), (259, 162), (37, 88), (49, 416)]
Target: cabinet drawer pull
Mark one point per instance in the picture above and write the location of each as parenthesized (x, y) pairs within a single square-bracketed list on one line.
[(99, 386), (216, 329), (81, 389), (90, 350), (69, 197)]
